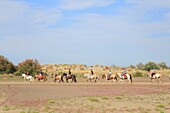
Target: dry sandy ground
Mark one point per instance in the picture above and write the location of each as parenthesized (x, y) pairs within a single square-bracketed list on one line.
[(139, 97)]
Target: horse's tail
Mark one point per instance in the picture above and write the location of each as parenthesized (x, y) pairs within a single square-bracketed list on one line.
[(97, 77), (75, 80), (62, 78), (130, 77), (115, 77)]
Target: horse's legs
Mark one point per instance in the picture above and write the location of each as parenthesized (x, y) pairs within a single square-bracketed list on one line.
[(55, 80), (152, 80)]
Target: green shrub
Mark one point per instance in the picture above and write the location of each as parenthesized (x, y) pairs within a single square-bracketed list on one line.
[(138, 74), (93, 99)]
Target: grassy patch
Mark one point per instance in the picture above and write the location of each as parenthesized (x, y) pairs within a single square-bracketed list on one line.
[(6, 108), (105, 98), (91, 107), (160, 106), (22, 112), (51, 101), (118, 98), (93, 99), (138, 74)]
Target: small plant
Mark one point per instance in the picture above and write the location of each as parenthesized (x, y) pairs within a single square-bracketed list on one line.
[(51, 101), (22, 112), (91, 107), (93, 99), (6, 108), (162, 112), (105, 98), (160, 106), (118, 98)]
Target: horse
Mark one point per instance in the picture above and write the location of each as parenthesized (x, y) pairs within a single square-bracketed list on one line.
[(73, 77), (112, 77), (91, 77), (156, 76), (26, 77), (40, 77), (58, 77), (126, 76)]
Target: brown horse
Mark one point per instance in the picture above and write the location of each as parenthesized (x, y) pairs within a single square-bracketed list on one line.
[(111, 77), (58, 77), (41, 77), (126, 77)]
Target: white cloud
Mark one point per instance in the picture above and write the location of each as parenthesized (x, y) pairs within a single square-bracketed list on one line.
[(83, 4), (10, 10), (150, 3), (47, 16)]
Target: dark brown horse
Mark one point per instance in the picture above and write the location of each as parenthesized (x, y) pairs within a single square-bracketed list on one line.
[(58, 77), (73, 77)]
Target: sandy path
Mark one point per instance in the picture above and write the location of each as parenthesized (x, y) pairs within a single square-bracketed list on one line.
[(20, 93)]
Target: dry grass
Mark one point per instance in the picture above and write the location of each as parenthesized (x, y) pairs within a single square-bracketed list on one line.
[(155, 103)]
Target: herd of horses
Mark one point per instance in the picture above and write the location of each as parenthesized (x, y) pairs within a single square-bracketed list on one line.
[(89, 77)]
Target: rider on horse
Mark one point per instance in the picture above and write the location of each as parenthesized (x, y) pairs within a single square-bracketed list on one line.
[(123, 73), (110, 72), (57, 73), (92, 71), (69, 72), (153, 73), (40, 74)]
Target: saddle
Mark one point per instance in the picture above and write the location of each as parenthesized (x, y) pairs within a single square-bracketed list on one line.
[(125, 76), (40, 76), (68, 76)]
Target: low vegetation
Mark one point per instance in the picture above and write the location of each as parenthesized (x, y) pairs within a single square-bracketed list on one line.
[(32, 67)]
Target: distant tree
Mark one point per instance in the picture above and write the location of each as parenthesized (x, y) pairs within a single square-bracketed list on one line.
[(113, 66), (6, 67), (132, 67), (150, 66), (140, 66), (29, 66), (107, 67), (163, 65)]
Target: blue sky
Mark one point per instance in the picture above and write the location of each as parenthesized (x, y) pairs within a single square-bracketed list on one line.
[(120, 32)]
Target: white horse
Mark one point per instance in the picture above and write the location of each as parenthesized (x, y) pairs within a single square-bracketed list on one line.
[(156, 76), (126, 76), (91, 77), (26, 78)]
